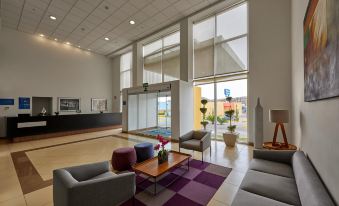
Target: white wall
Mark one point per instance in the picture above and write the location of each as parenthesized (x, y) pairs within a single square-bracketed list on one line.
[(315, 124), (34, 66), (269, 60)]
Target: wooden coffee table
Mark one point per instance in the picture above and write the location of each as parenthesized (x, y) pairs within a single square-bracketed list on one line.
[(153, 170)]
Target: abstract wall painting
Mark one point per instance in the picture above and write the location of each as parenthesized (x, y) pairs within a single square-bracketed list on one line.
[(24, 103), (99, 105), (321, 50)]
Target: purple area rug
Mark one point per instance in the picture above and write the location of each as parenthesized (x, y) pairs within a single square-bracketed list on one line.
[(196, 187)]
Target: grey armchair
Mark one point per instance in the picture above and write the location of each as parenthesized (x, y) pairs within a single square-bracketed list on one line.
[(91, 184), (196, 141)]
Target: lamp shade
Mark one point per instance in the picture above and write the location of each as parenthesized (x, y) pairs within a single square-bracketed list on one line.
[(279, 116)]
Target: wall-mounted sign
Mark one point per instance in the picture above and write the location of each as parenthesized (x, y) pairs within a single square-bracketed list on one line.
[(24, 103), (227, 92), (6, 101)]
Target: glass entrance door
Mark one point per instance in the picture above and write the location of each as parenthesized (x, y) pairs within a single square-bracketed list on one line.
[(164, 110)]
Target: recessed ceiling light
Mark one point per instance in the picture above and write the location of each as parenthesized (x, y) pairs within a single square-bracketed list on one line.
[(132, 22), (55, 39), (79, 46), (68, 43), (52, 17), (106, 38), (41, 35)]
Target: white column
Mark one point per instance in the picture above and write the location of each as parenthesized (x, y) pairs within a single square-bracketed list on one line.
[(137, 69), (186, 50)]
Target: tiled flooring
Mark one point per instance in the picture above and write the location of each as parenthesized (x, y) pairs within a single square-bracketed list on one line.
[(72, 150)]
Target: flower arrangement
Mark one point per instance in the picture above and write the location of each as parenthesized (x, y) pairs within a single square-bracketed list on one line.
[(162, 154)]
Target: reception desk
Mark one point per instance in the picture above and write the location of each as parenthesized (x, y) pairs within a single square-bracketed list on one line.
[(18, 127)]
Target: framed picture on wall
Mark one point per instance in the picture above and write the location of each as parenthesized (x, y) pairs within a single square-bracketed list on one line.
[(24, 103), (69, 104), (99, 105), (321, 51)]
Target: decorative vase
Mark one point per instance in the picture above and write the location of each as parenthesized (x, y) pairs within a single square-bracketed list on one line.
[(230, 138), (162, 156), (258, 126)]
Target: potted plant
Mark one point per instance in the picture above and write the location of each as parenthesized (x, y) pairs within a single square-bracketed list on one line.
[(231, 136), (162, 154), (203, 110)]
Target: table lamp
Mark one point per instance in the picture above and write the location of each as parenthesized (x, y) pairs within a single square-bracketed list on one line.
[(279, 117)]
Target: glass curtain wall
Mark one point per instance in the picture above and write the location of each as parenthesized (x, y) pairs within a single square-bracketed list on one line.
[(220, 67), (162, 59)]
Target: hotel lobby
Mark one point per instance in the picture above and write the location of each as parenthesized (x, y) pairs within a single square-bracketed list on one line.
[(169, 102)]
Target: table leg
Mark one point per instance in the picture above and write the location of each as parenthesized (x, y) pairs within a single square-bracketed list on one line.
[(155, 186)]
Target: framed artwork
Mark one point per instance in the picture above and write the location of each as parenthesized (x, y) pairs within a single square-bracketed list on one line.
[(24, 103), (321, 50), (99, 104), (69, 104)]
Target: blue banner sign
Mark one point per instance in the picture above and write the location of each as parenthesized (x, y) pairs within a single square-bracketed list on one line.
[(227, 92), (6, 101)]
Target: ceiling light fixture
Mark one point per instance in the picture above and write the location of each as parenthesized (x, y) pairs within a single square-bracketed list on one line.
[(55, 39), (132, 22), (68, 43), (52, 17), (89, 49), (106, 38), (79, 46), (41, 35)]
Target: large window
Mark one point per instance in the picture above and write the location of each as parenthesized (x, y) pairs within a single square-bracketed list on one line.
[(125, 73), (125, 70), (220, 69), (220, 43), (162, 59)]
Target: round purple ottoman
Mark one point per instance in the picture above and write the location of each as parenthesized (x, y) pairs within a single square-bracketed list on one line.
[(123, 158)]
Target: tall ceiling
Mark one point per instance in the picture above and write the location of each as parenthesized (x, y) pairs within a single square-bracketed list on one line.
[(86, 23)]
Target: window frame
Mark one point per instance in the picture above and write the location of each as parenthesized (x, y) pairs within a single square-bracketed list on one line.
[(161, 52), (215, 15)]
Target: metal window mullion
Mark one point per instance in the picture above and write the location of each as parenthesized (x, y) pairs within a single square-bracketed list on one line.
[(214, 82), (162, 53)]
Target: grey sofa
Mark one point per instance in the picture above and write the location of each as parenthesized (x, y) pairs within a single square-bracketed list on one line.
[(281, 178), (196, 141), (91, 185)]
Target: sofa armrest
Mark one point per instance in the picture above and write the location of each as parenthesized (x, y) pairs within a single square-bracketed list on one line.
[(186, 137), (62, 183), (283, 156), (205, 142), (104, 191)]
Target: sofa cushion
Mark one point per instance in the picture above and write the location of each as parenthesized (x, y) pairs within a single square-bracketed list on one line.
[(103, 175), (246, 198), (271, 167), (191, 144), (312, 192), (275, 187)]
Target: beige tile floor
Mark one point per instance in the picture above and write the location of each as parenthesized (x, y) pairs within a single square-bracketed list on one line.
[(45, 160)]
